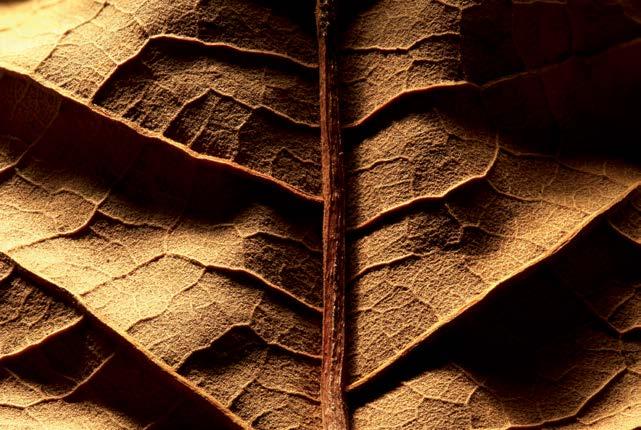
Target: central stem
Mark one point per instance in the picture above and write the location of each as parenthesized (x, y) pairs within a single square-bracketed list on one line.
[(333, 408)]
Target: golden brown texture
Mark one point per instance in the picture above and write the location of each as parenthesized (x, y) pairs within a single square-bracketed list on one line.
[(417, 263), (160, 181), (432, 234), (391, 47), (29, 315), (180, 271), (69, 373), (213, 75), (547, 352)]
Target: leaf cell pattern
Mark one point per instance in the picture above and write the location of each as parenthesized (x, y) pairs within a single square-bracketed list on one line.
[(161, 211)]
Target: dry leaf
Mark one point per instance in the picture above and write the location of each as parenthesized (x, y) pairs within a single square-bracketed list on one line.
[(161, 212)]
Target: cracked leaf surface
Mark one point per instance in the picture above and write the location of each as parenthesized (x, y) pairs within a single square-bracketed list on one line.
[(152, 253), (68, 373), (215, 76), (509, 364), (160, 211)]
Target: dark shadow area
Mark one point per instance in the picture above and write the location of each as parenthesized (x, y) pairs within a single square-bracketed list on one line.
[(286, 25), (539, 344), (500, 38)]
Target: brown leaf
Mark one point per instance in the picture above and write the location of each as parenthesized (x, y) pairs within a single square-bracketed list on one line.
[(69, 373), (550, 351), (178, 261), (161, 211)]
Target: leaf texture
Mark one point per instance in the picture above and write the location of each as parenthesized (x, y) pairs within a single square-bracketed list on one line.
[(215, 77), (137, 250), (559, 349), (68, 373), (161, 214), (432, 234)]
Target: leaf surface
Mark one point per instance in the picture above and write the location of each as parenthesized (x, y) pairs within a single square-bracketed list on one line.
[(69, 373), (137, 250), (462, 186), (555, 350), (161, 213)]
